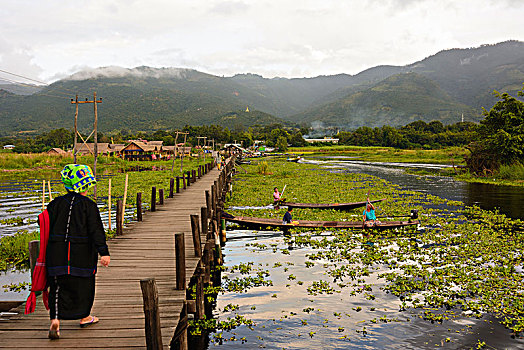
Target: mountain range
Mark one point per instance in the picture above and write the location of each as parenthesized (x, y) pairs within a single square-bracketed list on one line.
[(448, 86)]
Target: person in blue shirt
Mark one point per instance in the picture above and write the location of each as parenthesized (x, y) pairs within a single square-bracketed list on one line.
[(369, 218), (288, 219)]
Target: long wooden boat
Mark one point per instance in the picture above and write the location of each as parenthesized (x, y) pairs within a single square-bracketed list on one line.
[(277, 223), (337, 206)]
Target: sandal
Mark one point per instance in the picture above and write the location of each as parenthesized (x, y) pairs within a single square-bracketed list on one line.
[(94, 320), (54, 334)]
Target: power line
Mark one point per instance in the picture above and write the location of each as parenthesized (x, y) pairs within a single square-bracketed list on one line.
[(65, 92), (21, 76)]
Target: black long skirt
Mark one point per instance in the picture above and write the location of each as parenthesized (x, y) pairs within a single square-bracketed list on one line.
[(70, 297)]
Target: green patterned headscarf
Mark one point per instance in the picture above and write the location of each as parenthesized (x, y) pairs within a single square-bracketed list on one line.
[(77, 177)]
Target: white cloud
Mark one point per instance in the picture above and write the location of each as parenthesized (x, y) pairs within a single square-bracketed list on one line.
[(47, 39)]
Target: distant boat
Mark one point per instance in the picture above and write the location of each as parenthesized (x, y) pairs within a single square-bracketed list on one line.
[(296, 159), (337, 206), (277, 223)]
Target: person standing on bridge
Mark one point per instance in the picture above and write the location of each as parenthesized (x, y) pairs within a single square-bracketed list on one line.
[(76, 239)]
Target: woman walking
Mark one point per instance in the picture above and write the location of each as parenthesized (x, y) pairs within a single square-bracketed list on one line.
[(76, 239)]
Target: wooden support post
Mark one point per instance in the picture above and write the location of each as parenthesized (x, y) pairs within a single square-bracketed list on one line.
[(213, 201), (119, 217), (218, 247), (203, 219), (188, 177), (161, 196), (139, 206), (180, 259), (184, 182), (152, 315), (34, 250), (109, 205), (49, 188), (200, 308), (125, 194), (208, 204), (195, 229), (171, 187), (199, 173), (153, 198), (43, 195), (208, 252), (193, 175), (178, 184), (223, 232), (180, 337)]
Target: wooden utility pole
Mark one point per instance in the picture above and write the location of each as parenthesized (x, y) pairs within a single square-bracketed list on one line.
[(203, 146), (76, 128), (174, 150), (95, 125)]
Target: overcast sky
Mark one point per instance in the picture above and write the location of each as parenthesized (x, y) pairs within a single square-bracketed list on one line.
[(51, 39)]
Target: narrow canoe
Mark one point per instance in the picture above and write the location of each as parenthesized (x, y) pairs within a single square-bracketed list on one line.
[(277, 223), (337, 206)]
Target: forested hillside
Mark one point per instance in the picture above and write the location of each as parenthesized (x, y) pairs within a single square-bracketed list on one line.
[(443, 86)]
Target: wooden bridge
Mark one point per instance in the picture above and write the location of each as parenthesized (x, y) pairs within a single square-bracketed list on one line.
[(145, 250)]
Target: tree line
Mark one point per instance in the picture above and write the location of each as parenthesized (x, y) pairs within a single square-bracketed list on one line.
[(497, 140), (418, 134)]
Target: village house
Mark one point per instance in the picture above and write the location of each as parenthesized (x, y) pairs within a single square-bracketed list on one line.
[(57, 151), (138, 150)]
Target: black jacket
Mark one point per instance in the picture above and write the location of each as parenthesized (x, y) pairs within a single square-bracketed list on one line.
[(74, 251)]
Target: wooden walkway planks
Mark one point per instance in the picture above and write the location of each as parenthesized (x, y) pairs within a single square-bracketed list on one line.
[(146, 249)]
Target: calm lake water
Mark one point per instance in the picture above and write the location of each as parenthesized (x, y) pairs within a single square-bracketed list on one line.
[(287, 316), (508, 200)]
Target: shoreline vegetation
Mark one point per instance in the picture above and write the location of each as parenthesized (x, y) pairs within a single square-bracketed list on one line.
[(13, 248)]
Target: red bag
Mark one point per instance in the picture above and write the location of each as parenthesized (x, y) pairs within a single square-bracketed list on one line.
[(39, 280)]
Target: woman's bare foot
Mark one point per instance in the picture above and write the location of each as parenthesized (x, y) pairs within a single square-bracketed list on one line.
[(89, 320), (54, 329)]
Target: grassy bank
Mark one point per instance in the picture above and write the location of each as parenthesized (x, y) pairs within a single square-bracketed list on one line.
[(452, 155), (436, 270)]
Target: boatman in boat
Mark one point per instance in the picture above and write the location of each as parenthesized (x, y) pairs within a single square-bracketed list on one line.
[(288, 219), (276, 197), (369, 218)]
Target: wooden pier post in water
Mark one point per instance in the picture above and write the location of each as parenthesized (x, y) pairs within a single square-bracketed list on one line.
[(34, 250), (152, 315), (109, 204), (200, 308), (139, 206), (171, 187), (178, 184), (153, 198), (184, 182), (161, 196), (180, 259), (125, 194), (180, 337), (208, 204), (195, 229), (119, 217), (218, 247), (203, 219)]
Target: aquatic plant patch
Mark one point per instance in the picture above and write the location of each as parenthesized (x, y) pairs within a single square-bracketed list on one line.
[(461, 262)]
